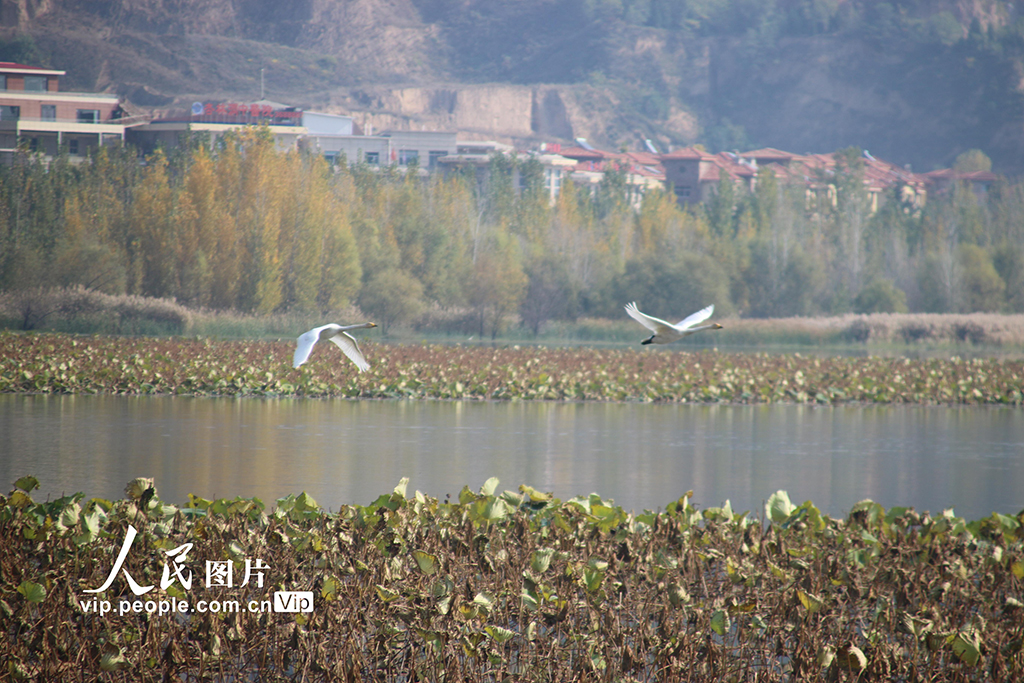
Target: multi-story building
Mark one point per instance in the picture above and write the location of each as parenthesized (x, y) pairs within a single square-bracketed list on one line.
[(421, 147), (37, 116)]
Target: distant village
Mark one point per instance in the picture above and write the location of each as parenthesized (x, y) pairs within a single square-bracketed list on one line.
[(38, 117)]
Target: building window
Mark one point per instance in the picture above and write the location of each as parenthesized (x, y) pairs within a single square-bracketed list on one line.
[(408, 156), (3, 82), (88, 116), (434, 156), (684, 191), (35, 83), (372, 158), (33, 144), (8, 113), (48, 112), (73, 146)]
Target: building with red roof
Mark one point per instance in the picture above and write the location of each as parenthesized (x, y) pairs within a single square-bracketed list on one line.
[(694, 174), (944, 179)]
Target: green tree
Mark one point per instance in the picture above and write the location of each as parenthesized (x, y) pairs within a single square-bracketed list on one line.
[(550, 294), (22, 49), (880, 296), (82, 259), (721, 209), (936, 281), (391, 296), (971, 161), (498, 283), (981, 287), (1008, 261), (781, 282), (671, 286), (447, 241), (850, 219)]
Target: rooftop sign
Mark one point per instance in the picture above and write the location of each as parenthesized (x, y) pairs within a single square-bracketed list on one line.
[(234, 112)]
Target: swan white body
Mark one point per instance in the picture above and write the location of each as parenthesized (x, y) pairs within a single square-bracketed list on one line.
[(666, 332), (337, 334)]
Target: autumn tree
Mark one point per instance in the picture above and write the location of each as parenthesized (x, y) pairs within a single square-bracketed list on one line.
[(498, 282), (391, 296), (154, 226), (550, 294), (256, 203)]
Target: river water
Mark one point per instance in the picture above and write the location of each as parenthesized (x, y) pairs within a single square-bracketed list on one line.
[(642, 456)]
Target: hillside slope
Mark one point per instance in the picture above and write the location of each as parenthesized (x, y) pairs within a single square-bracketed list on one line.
[(530, 70)]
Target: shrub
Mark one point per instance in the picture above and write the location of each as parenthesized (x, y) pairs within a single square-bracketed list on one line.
[(981, 287), (935, 282), (880, 296), (916, 331), (84, 310), (392, 296), (1008, 261)]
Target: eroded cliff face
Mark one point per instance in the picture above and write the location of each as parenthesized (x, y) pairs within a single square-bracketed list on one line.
[(513, 114)]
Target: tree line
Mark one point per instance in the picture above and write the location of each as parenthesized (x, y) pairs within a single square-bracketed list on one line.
[(238, 225)]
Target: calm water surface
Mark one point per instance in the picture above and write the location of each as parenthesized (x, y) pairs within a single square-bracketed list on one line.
[(642, 456)]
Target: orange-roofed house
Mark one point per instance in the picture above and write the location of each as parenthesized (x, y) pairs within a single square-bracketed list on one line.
[(694, 174), (642, 170), (944, 179)]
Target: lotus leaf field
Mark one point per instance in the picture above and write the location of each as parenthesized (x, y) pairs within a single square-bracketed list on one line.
[(59, 363), (506, 586)]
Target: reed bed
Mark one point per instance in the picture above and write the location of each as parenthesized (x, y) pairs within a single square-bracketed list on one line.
[(507, 586), (84, 311), (60, 363)]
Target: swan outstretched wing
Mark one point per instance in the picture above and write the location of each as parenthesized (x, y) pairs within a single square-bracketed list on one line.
[(305, 345), (338, 335), (650, 322), (698, 317), (347, 343)]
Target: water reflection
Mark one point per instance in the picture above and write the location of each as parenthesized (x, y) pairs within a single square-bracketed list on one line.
[(643, 456)]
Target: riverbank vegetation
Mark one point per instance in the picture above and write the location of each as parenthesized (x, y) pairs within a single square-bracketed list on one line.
[(58, 363), (239, 226), (512, 585), (83, 311)]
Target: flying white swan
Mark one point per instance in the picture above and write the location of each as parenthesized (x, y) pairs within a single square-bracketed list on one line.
[(665, 332), (337, 334)]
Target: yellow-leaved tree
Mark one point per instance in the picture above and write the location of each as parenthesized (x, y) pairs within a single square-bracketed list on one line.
[(153, 224), (208, 265), (499, 283), (258, 187)]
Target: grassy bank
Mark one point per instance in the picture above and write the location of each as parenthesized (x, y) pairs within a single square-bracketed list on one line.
[(61, 363), (509, 585), (82, 311)]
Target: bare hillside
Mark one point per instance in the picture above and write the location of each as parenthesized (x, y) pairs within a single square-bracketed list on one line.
[(914, 88)]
